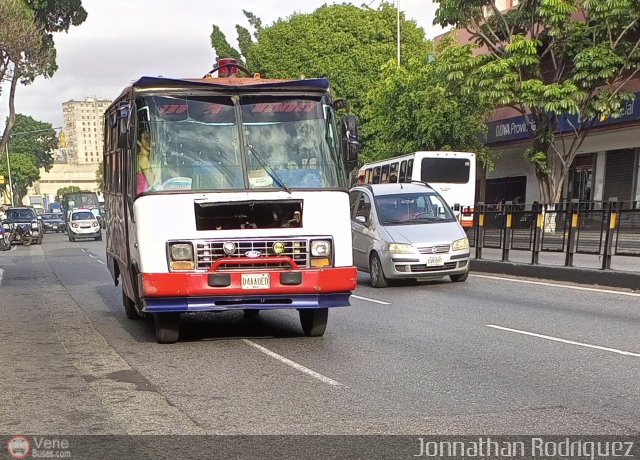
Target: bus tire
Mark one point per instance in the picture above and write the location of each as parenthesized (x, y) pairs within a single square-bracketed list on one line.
[(167, 327), (130, 310), (314, 321)]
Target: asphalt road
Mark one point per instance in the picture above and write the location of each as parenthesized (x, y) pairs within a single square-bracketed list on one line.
[(490, 356)]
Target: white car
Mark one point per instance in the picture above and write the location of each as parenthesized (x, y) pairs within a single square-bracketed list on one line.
[(83, 224)]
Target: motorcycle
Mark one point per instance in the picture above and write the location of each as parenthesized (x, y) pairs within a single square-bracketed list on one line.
[(5, 242), (21, 233)]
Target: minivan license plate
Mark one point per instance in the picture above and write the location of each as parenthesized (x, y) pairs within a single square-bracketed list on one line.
[(435, 261), (256, 281)]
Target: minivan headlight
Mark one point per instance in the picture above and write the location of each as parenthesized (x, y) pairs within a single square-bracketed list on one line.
[(401, 248), (460, 244), (181, 251)]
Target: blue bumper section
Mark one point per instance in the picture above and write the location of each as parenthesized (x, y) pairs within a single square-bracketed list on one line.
[(185, 304)]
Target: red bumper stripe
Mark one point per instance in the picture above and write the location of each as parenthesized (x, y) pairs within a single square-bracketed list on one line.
[(321, 281)]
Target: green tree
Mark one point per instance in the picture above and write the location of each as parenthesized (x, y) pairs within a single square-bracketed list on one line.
[(30, 52), (100, 176), (345, 43), (23, 173), (34, 138), (415, 107), (548, 59)]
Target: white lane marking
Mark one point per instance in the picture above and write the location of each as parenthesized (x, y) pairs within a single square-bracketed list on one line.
[(100, 262), (83, 250), (293, 364), (370, 300), (566, 286), (1, 275), (92, 256), (570, 342)]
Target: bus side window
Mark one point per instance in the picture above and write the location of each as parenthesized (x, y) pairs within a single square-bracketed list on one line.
[(393, 173), (410, 170), (367, 176), (403, 171), (385, 174), (376, 175)]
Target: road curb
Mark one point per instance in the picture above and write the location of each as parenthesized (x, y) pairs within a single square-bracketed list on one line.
[(610, 278)]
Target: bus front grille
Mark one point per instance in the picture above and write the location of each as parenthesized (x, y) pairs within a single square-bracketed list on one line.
[(210, 251)]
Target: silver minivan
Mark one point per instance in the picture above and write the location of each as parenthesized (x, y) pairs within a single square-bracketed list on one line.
[(406, 231)]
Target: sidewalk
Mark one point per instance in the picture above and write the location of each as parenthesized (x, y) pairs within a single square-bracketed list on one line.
[(625, 272)]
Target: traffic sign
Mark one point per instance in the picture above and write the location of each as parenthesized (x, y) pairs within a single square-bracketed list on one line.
[(1, 180)]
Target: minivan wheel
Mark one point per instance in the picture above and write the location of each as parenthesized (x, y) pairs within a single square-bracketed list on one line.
[(459, 278), (378, 280)]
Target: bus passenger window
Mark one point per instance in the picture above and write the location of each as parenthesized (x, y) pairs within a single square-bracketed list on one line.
[(393, 173), (385, 174), (376, 175), (367, 177), (403, 171), (410, 170)]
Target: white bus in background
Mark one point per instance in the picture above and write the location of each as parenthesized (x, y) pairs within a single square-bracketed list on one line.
[(451, 174)]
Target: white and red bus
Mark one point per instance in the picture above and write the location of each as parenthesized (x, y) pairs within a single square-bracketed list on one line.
[(228, 193), (451, 174)]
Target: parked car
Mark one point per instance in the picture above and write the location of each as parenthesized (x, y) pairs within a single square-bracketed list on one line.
[(52, 222), (27, 225), (83, 224), (406, 231)]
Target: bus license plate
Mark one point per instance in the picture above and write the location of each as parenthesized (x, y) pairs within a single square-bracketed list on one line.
[(435, 261), (256, 281)]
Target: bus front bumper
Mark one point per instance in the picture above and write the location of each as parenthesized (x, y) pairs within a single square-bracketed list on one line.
[(219, 291)]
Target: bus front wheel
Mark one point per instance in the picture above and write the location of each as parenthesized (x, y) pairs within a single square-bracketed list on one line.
[(314, 321), (167, 327)]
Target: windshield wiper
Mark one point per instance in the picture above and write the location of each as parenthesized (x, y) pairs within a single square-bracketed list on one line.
[(269, 169)]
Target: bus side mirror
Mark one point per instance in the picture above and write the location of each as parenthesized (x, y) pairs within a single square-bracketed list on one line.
[(351, 146)]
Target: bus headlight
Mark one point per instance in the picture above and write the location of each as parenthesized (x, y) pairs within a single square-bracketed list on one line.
[(401, 248), (461, 244), (321, 248), (181, 251), (34, 225)]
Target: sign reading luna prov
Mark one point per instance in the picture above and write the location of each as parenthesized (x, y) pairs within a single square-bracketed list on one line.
[(515, 128)]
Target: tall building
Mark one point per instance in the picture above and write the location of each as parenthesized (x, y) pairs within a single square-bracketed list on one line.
[(83, 129)]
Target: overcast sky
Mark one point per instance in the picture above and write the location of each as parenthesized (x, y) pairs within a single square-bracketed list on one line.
[(122, 40)]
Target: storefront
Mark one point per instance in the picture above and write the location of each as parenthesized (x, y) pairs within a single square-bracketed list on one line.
[(607, 164)]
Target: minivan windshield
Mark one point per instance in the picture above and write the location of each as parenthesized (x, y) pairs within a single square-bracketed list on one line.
[(412, 208), (82, 215)]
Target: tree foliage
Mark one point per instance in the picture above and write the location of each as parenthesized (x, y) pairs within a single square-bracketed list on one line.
[(34, 138), (349, 45), (100, 176), (30, 147), (548, 59), (30, 51), (416, 107), (23, 173)]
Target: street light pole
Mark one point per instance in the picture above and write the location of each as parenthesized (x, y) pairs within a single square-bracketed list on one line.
[(6, 147), (398, 29)]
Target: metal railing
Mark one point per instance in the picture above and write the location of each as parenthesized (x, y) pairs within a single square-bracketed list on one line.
[(599, 228)]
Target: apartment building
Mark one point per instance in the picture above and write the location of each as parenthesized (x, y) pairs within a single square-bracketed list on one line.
[(83, 122)]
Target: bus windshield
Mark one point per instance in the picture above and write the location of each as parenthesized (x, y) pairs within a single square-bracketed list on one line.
[(80, 200), (195, 143)]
